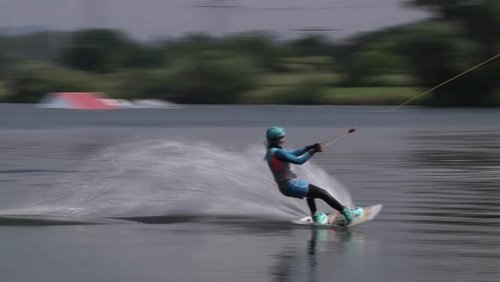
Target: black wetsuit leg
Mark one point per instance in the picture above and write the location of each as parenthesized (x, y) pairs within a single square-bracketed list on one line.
[(318, 193), (312, 204)]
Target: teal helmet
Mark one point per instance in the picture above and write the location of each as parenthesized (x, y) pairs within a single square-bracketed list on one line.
[(275, 132)]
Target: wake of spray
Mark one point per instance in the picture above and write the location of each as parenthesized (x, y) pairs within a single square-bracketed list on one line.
[(176, 178)]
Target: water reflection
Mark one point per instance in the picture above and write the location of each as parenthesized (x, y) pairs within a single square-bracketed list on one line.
[(327, 254)]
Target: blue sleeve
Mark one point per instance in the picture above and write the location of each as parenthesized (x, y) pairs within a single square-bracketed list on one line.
[(300, 151), (290, 157)]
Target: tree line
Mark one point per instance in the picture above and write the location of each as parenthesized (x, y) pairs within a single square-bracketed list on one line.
[(259, 68)]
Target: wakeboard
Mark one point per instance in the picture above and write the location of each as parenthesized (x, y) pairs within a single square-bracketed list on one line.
[(337, 219)]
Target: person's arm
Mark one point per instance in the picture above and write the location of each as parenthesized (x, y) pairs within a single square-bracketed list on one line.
[(313, 148), (299, 151), (288, 156)]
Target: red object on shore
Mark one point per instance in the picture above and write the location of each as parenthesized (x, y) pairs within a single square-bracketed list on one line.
[(77, 100)]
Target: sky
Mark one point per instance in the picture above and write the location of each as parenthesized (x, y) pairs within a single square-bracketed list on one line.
[(154, 19)]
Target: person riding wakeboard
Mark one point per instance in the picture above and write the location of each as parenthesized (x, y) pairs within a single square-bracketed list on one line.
[(290, 185)]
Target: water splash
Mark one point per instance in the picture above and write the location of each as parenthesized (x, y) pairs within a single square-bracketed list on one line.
[(171, 178)]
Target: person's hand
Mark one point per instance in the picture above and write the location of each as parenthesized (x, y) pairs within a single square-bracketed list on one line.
[(314, 148), (317, 147)]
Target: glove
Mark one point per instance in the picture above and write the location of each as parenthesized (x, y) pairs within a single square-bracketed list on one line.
[(317, 148), (314, 148)]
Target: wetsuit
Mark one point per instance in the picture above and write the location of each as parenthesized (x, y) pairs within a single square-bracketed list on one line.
[(279, 161)]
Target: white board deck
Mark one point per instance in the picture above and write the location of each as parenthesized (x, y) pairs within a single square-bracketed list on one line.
[(369, 213)]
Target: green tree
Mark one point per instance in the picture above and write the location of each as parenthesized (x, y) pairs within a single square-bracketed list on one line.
[(30, 81), (365, 65), (211, 77), (480, 19), (476, 37), (257, 46), (312, 45), (104, 51), (375, 58), (5, 61)]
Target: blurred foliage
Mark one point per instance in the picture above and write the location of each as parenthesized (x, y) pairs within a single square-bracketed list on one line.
[(303, 91), (311, 46), (104, 51), (3, 92), (138, 83), (474, 38), (37, 46), (385, 66), (376, 95), (438, 53), (30, 81), (211, 77), (478, 19), (259, 47)]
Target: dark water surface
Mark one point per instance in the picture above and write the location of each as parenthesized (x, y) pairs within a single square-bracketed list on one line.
[(183, 195)]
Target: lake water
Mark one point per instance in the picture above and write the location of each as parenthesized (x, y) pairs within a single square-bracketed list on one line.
[(184, 195)]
